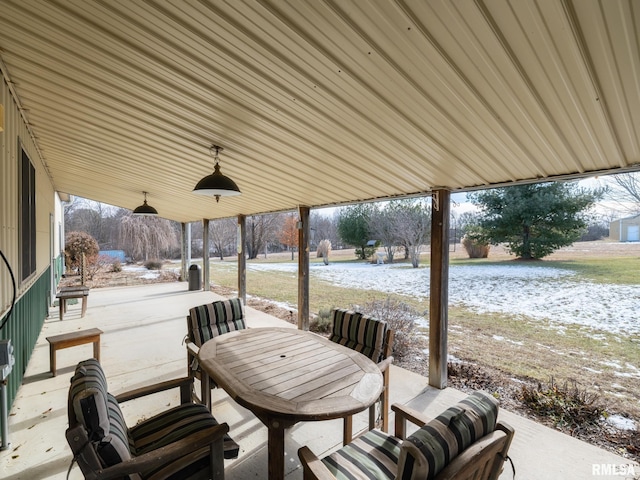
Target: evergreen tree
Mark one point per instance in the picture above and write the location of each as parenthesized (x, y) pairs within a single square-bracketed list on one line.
[(353, 228), (534, 220)]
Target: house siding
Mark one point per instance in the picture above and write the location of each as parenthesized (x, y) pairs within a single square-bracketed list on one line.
[(33, 294)]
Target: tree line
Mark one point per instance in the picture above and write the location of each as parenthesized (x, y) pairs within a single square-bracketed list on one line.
[(531, 220)]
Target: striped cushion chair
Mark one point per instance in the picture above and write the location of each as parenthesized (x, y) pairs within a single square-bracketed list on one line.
[(464, 442), (185, 442), (205, 322), (372, 338)]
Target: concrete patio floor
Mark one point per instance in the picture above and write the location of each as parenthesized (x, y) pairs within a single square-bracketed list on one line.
[(144, 327)]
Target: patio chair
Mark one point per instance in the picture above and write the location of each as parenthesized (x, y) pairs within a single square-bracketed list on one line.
[(464, 442), (374, 339), (184, 442), (205, 322)]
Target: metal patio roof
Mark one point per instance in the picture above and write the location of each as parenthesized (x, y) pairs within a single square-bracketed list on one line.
[(321, 102)]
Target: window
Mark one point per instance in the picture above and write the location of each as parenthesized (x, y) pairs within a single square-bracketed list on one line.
[(27, 215)]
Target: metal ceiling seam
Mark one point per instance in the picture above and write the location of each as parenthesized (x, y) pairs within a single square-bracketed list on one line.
[(383, 100), (22, 112), (498, 88), (543, 141), (414, 20), (316, 81), (582, 94), (575, 95), (614, 65), (117, 118), (553, 102), (361, 114)]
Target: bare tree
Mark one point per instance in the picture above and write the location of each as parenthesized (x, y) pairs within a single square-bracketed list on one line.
[(223, 235), (624, 189), (147, 237), (261, 230), (412, 224), (323, 227), (382, 226)]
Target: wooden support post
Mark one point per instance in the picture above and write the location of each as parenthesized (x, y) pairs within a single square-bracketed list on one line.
[(242, 259), (439, 288), (184, 261), (303, 268), (206, 266)]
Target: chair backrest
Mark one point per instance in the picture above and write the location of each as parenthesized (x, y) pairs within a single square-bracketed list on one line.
[(91, 406), (212, 319), (359, 332), (431, 448)]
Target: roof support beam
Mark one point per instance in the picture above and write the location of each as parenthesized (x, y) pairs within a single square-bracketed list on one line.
[(185, 250), (206, 264), (303, 268), (439, 288), (242, 259)]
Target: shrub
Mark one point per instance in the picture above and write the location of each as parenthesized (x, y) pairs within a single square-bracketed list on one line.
[(77, 243), (567, 405), (153, 264), (366, 252), (401, 318), (321, 323), (324, 249), (475, 248)]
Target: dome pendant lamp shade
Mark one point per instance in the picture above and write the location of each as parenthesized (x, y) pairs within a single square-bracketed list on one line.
[(216, 185), (145, 209)]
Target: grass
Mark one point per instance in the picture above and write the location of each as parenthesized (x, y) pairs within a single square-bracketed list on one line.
[(519, 346)]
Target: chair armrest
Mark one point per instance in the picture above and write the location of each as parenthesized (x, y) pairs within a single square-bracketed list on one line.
[(192, 348), (384, 364), (312, 466), (404, 413), (185, 446), (185, 384)]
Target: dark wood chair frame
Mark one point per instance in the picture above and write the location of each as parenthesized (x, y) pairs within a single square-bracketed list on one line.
[(483, 460), (380, 421), (92, 468)]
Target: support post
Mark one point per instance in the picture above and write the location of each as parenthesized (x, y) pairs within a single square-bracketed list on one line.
[(242, 259), (439, 288), (206, 265), (303, 268), (184, 260)]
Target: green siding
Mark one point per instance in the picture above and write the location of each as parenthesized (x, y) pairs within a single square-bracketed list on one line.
[(24, 327)]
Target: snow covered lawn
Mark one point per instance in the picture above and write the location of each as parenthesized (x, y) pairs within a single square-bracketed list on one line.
[(532, 291)]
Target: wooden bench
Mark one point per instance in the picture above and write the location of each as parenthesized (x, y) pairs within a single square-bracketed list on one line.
[(66, 340), (66, 293)]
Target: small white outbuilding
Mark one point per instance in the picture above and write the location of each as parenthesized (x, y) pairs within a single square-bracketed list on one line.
[(625, 229)]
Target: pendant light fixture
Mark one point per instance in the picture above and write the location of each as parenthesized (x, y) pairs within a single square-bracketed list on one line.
[(216, 184), (145, 209)]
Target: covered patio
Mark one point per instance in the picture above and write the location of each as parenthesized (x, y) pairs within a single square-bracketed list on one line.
[(142, 343), (316, 103)]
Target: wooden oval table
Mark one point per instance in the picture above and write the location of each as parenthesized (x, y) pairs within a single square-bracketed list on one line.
[(285, 376)]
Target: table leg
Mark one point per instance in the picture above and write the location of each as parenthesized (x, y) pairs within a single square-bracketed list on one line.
[(52, 359), (275, 447), (96, 349), (84, 305), (62, 306)]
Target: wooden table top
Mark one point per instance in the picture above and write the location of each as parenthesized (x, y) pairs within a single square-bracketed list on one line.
[(291, 375)]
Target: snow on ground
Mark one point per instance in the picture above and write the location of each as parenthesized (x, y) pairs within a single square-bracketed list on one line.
[(532, 291)]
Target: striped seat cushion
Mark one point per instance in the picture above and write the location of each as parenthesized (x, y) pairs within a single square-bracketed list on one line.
[(358, 332), (98, 411), (443, 438), (373, 455), (173, 425), (213, 319)]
